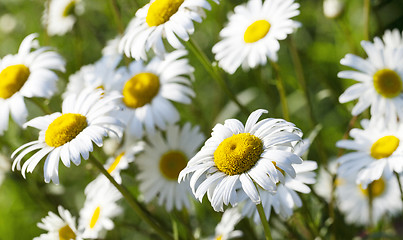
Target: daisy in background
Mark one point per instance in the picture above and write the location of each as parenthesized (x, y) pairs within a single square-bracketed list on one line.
[(67, 135), (61, 227), (163, 158), (29, 73), (98, 211), (326, 176), (353, 200), (161, 19), (60, 15), (237, 158), (253, 32), (377, 151), (286, 198), (225, 229), (379, 80), (148, 92)]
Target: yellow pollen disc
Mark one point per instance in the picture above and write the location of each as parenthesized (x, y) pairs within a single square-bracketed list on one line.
[(219, 237), (384, 147), (12, 78), (256, 31), (161, 11), (64, 129), (377, 187), (115, 163), (95, 217), (65, 233), (140, 89), (171, 163), (68, 10), (281, 170), (387, 83), (238, 153)]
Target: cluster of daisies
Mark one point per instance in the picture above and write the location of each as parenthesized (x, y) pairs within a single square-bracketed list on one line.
[(369, 174)]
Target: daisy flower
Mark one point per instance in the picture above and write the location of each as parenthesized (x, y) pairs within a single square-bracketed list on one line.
[(379, 80), (149, 89), (171, 154), (59, 18), (324, 184), (161, 19), (59, 227), (237, 158), (252, 33), (26, 74), (225, 229), (353, 200), (393, 38), (377, 152), (286, 198), (67, 135), (96, 215)]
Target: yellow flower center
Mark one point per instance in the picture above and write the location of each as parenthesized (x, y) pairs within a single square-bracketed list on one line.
[(377, 188), (256, 31), (171, 163), (161, 11), (115, 163), (238, 153), (64, 129), (384, 147), (219, 237), (12, 78), (68, 10), (95, 217), (388, 83), (65, 233), (140, 89)]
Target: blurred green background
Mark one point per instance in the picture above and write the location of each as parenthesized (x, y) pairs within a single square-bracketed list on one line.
[(321, 42)]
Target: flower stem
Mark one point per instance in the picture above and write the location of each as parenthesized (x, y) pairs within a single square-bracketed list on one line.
[(400, 185), (215, 74), (117, 16), (281, 91), (264, 221), (142, 213)]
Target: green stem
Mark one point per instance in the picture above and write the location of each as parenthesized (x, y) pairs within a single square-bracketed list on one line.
[(264, 221), (117, 16), (367, 10), (175, 228), (142, 213), (281, 91), (215, 74), (400, 185)]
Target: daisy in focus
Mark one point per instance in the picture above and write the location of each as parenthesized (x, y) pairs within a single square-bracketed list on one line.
[(237, 158), (253, 32), (379, 80), (98, 211), (353, 200), (161, 19), (149, 90), (29, 73), (171, 154), (225, 229), (393, 39), (67, 135), (59, 227), (59, 15), (286, 198), (377, 152)]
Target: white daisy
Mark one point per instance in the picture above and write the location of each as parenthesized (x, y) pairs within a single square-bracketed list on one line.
[(149, 89), (324, 184), (286, 198), (59, 15), (96, 75), (379, 80), (170, 154), (393, 39), (333, 8), (225, 229), (112, 47), (161, 19), (253, 32), (377, 152), (353, 200), (26, 74), (59, 227), (67, 135), (237, 158), (96, 215)]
